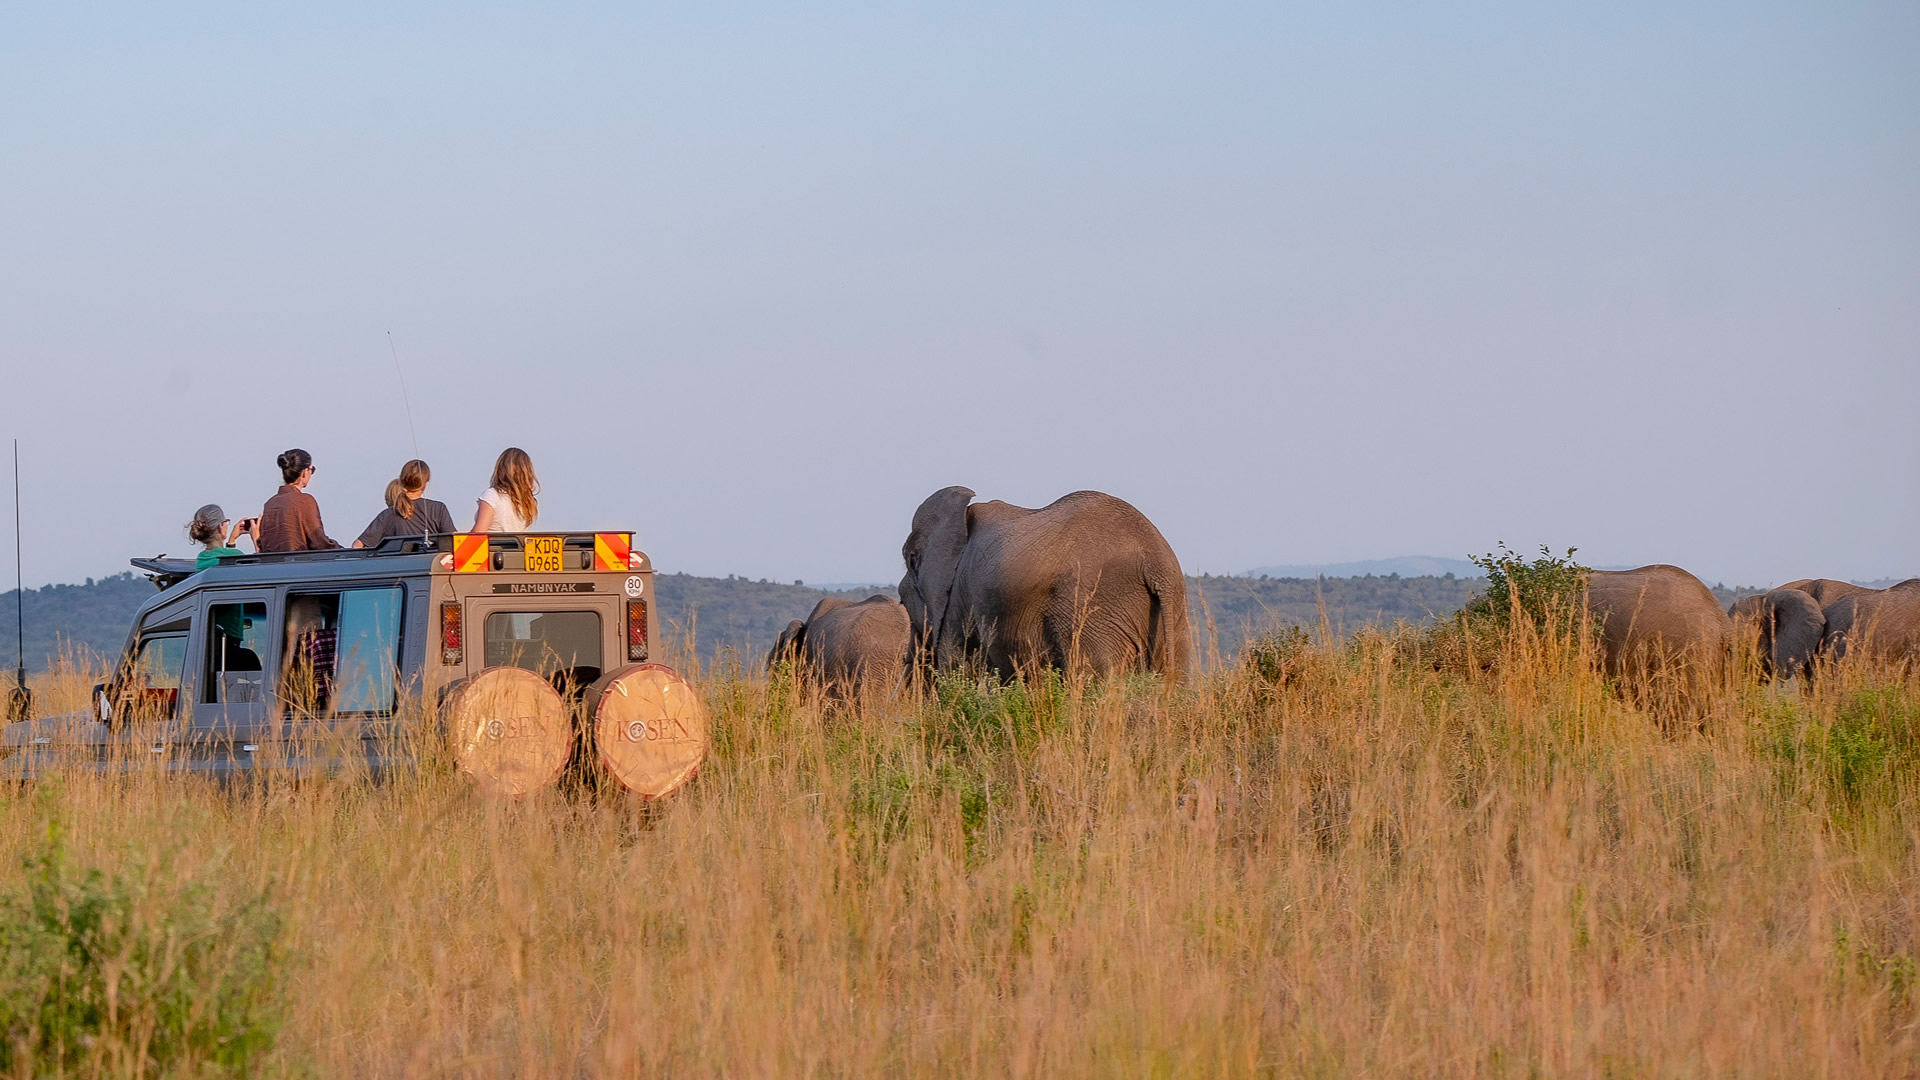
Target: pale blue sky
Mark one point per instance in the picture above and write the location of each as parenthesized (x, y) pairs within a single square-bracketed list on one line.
[(1305, 285)]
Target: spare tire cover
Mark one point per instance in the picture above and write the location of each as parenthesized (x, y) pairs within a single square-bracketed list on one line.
[(650, 729), (510, 730)]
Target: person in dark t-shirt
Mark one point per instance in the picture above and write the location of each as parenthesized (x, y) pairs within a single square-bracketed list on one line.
[(408, 512)]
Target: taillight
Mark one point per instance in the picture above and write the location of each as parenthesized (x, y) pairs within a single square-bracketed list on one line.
[(451, 651), (636, 630)]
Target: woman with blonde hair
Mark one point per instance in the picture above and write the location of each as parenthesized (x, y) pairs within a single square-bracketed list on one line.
[(511, 504), (409, 512)]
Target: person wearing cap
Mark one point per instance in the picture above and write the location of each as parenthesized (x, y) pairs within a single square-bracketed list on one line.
[(209, 526)]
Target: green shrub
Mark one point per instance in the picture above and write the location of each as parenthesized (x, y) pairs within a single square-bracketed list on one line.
[(1549, 587), (1545, 593), (971, 713), (117, 973)]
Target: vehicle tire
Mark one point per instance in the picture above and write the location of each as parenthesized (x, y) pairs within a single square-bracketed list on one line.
[(510, 730), (649, 728)]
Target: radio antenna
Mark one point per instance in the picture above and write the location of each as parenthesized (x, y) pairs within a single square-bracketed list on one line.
[(404, 399), (20, 701)]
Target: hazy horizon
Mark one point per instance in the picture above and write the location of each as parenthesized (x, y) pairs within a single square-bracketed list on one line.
[(1307, 287)]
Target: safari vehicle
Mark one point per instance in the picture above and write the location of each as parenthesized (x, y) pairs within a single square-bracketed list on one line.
[(532, 651)]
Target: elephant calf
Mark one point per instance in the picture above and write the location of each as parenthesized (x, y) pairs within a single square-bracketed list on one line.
[(849, 648)]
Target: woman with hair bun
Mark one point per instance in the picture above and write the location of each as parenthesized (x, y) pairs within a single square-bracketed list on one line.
[(409, 512), (291, 520), (511, 504)]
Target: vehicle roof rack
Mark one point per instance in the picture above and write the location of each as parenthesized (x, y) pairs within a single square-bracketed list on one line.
[(167, 571), (164, 572)]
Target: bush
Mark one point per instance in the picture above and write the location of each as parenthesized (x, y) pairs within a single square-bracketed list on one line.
[(1278, 659), (1544, 592), (1549, 587), (970, 713), (116, 973)]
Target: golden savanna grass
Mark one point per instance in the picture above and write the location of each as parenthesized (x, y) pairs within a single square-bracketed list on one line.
[(1353, 864)]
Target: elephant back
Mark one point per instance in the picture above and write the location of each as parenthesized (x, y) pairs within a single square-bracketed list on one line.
[(1657, 609), (1878, 623), (1086, 574)]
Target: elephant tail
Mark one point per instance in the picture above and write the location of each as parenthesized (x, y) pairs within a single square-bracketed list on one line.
[(1168, 640)]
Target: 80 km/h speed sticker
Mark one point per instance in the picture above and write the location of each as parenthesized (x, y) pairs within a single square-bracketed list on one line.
[(635, 586)]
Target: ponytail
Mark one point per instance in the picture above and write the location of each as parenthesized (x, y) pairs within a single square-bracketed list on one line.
[(410, 485), (398, 500)]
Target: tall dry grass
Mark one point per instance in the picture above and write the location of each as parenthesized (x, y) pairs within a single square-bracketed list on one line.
[(1353, 864)]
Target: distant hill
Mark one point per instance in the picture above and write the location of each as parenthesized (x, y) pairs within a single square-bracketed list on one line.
[(62, 619), (1404, 566), (1227, 611)]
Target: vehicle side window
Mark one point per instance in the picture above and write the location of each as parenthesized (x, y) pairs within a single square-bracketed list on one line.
[(157, 673), (343, 651), (236, 639)]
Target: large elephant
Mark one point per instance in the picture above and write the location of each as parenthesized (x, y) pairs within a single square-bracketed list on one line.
[(1085, 583), (1878, 623), (1659, 625), (850, 648)]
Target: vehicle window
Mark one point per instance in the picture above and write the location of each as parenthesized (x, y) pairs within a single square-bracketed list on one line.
[(236, 640), (546, 642), (369, 651), (343, 651), (157, 673)]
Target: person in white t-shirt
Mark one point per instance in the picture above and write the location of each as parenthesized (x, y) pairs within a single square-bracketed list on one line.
[(511, 504)]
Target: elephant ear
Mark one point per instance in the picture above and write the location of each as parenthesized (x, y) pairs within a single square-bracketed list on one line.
[(1794, 626), (787, 645), (932, 552)]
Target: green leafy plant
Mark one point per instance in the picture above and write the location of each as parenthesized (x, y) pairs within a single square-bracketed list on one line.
[(987, 715), (1545, 588), (118, 973)]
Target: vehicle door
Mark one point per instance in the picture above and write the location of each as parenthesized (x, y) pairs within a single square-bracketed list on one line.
[(338, 676), (234, 702), (147, 715), (565, 639)]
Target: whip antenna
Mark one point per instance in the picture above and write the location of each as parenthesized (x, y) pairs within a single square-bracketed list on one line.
[(20, 701), (404, 399)]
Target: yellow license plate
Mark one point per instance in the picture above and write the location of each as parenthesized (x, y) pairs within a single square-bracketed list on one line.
[(544, 554)]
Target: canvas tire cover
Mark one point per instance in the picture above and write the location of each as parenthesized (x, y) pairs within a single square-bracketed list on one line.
[(650, 729), (511, 732)]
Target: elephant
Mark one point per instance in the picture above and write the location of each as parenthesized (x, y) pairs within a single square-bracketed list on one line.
[(1084, 584), (1882, 624), (1785, 628), (850, 648), (1792, 624), (1659, 623), (1827, 590)]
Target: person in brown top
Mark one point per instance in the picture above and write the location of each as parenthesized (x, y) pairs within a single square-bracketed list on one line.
[(291, 520)]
